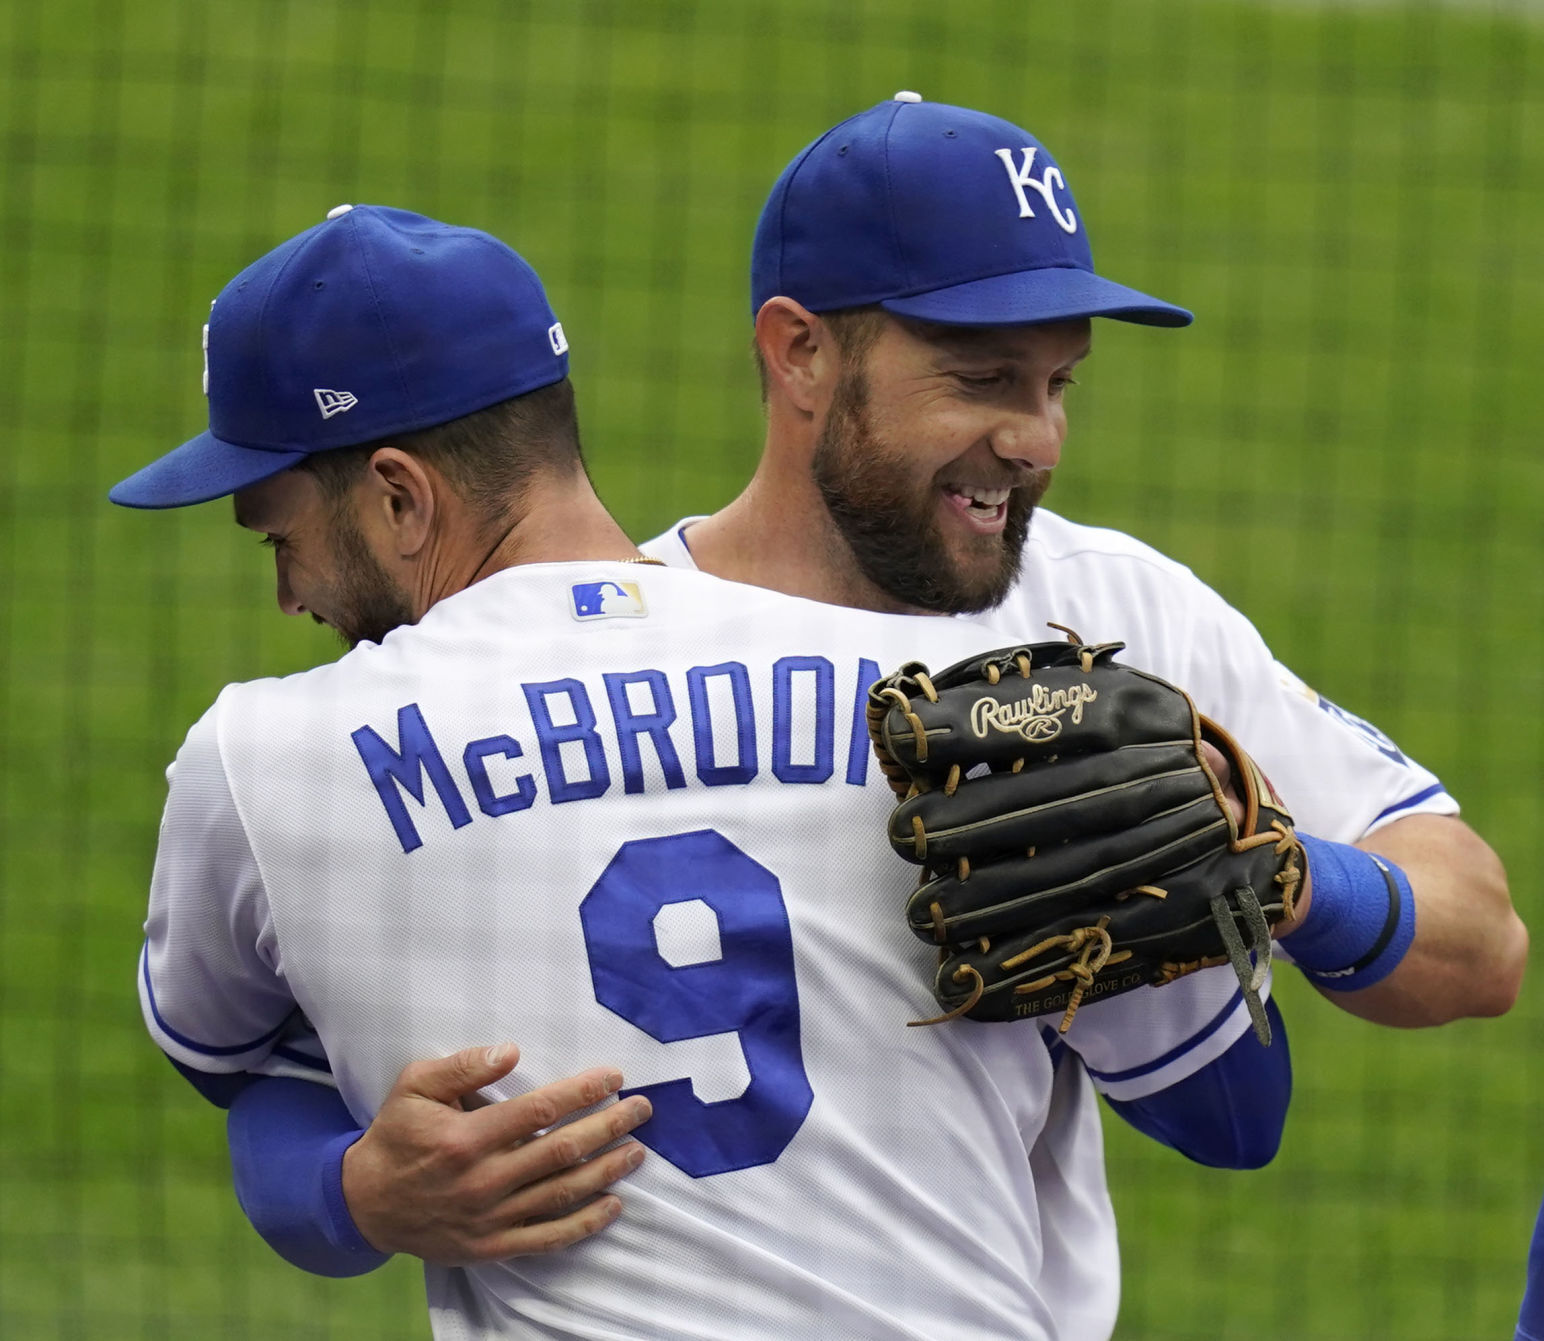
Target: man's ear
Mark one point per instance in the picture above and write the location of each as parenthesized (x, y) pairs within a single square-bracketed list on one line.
[(401, 499), (802, 361)]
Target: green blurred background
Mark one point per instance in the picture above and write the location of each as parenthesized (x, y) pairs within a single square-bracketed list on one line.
[(1345, 444)]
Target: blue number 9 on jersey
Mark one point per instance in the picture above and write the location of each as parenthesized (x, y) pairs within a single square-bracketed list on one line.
[(748, 990)]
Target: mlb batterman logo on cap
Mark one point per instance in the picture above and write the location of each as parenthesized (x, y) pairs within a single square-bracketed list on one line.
[(374, 323), (939, 213)]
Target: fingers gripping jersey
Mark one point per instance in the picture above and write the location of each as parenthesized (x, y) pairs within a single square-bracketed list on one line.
[(626, 816)]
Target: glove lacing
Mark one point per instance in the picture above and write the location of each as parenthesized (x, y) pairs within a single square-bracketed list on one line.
[(1094, 950), (1252, 974)]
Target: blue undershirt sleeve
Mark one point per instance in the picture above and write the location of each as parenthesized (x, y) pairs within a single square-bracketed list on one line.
[(287, 1140), (220, 1089), (1230, 1113), (1530, 1320)]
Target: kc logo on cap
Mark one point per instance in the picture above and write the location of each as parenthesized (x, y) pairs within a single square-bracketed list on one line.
[(1021, 177), (904, 206)]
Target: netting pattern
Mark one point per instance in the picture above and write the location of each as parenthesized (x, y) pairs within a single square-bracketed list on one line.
[(1346, 444)]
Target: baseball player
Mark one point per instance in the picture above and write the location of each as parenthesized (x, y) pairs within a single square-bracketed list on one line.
[(893, 266), (369, 857), (916, 327)]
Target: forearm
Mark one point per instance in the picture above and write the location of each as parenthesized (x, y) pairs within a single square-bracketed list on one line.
[(1469, 946), (287, 1141), (437, 1174)]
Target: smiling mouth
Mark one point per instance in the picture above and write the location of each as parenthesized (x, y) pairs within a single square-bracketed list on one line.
[(987, 508)]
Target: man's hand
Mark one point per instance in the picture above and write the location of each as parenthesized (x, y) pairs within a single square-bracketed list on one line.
[(1217, 761), (454, 1181)]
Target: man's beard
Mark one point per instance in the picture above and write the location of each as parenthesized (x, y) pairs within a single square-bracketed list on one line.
[(365, 603), (893, 530)]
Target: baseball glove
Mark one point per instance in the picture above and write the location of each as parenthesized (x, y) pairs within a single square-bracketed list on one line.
[(1075, 842)]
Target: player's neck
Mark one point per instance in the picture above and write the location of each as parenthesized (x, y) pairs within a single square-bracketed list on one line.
[(778, 534), (558, 521)]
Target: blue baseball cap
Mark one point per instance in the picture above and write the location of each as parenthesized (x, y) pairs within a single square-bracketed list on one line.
[(939, 213), (374, 323)]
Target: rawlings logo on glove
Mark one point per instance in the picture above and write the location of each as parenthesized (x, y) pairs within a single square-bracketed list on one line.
[(1037, 717), (1097, 852)]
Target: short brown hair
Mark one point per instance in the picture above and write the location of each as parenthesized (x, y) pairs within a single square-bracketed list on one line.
[(488, 456), (853, 328)]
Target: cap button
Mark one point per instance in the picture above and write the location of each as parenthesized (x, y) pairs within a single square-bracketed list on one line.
[(338, 211), (906, 95)]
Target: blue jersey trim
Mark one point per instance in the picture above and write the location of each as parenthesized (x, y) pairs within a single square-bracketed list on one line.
[(302, 1059), (1179, 1050), (186, 1042), (1436, 789), (681, 536), (1056, 1045)]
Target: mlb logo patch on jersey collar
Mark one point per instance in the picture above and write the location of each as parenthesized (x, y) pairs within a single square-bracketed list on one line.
[(607, 600)]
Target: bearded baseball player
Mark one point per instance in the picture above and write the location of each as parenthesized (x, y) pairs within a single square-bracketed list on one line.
[(922, 290), (367, 862)]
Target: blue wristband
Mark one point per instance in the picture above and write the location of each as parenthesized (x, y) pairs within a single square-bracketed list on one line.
[(1361, 917)]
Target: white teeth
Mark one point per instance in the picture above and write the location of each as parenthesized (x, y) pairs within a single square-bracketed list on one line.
[(982, 498)]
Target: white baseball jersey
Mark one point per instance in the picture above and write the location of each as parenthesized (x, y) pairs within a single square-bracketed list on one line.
[(629, 815), (1340, 776)]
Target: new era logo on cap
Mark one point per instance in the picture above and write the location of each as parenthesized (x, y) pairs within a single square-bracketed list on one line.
[(333, 402), (412, 322)]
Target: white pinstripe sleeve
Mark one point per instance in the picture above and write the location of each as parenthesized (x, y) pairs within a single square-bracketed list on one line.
[(210, 988)]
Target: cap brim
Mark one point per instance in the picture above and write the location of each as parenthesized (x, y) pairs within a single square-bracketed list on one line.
[(1033, 296), (204, 468)]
